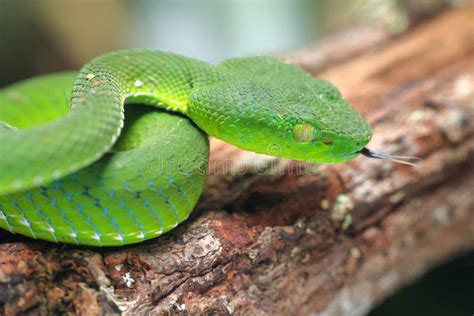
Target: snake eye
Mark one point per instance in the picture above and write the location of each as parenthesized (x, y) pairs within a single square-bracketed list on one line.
[(304, 133)]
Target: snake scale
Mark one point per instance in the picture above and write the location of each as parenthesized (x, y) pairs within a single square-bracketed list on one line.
[(78, 166)]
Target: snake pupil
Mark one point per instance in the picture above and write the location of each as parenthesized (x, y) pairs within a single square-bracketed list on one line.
[(303, 133)]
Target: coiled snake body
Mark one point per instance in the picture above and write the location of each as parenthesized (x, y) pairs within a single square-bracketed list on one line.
[(75, 169)]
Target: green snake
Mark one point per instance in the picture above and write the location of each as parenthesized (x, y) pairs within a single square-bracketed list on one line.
[(78, 166)]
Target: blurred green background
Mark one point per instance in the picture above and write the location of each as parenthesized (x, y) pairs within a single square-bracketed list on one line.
[(40, 36)]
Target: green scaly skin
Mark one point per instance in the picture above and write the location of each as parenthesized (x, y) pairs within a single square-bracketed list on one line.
[(70, 173)]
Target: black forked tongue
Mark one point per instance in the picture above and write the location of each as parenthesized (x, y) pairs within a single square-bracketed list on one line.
[(400, 159)]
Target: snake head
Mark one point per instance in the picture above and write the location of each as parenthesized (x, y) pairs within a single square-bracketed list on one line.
[(265, 105)]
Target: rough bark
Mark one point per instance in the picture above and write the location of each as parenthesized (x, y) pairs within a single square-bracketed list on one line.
[(281, 237)]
